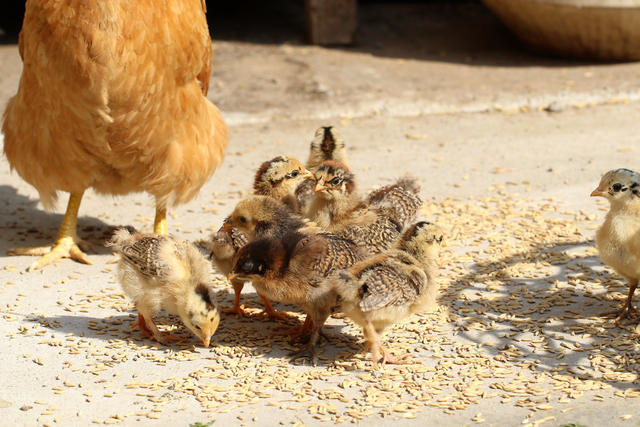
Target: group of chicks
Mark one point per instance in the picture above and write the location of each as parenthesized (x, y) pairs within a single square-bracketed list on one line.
[(305, 237)]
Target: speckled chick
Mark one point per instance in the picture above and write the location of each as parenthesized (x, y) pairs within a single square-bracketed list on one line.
[(263, 216), (280, 178), (374, 223), (158, 272), (289, 269), (387, 288), (618, 239), (327, 144)]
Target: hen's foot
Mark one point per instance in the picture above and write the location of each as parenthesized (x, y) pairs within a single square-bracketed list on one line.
[(66, 247)]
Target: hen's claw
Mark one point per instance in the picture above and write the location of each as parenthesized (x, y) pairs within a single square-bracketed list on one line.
[(66, 247)]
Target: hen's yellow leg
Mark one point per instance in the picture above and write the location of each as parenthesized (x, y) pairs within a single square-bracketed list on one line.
[(67, 244), (160, 222)]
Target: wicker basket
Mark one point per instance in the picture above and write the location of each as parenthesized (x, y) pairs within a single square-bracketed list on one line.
[(602, 29)]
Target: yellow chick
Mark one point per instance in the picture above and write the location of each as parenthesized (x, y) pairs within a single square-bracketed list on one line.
[(618, 239), (158, 272)]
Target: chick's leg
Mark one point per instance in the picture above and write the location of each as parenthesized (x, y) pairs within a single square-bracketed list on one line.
[(271, 312), (67, 244), (160, 221), (627, 309), (317, 317), (237, 308), (149, 328)]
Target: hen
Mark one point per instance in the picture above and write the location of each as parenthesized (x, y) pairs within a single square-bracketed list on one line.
[(158, 272), (388, 287), (112, 97), (618, 239)]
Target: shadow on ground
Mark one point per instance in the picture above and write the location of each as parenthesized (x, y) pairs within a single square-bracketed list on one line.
[(553, 320)]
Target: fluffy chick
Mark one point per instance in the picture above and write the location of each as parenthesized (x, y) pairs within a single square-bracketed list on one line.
[(387, 288), (374, 223), (327, 144), (400, 200), (291, 268), (618, 239), (281, 178), (158, 272), (263, 216)]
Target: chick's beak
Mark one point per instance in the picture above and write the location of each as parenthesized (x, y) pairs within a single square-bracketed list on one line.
[(320, 186), (307, 174), (597, 193), (443, 244), (206, 341), (232, 276)]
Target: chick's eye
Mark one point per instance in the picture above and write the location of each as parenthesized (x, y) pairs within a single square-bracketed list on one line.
[(617, 187), (439, 239), (242, 219), (336, 181), (197, 327), (293, 174)]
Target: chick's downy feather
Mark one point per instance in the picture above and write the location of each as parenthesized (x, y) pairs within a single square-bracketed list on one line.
[(159, 272), (388, 287), (618, 239), (112, 96)]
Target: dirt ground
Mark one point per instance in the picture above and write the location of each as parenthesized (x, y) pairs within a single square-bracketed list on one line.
[(508, 145)]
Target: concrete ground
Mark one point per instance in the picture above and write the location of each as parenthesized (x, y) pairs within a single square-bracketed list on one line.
[(508, 146)]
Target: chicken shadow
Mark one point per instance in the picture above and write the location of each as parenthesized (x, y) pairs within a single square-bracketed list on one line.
[(253, 333), (24, 224), (543, 315)]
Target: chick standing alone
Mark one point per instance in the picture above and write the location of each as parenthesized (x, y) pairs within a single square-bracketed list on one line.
[(158, 272), (618, 239), (388, 287)]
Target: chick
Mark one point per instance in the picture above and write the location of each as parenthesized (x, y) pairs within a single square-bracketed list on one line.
[(387, 288), (327, 144), (618, 239), (280, 178), (222, 248), (263, 216), (400, 200), (374, 223), (158, 272), (291, 268)]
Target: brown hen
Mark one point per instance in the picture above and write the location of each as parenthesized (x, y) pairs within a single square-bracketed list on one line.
[(113, 97)]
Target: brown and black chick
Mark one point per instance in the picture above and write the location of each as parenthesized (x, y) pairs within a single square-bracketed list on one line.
[(277, 178), (388, 287), (289, 269), (158, 272)]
